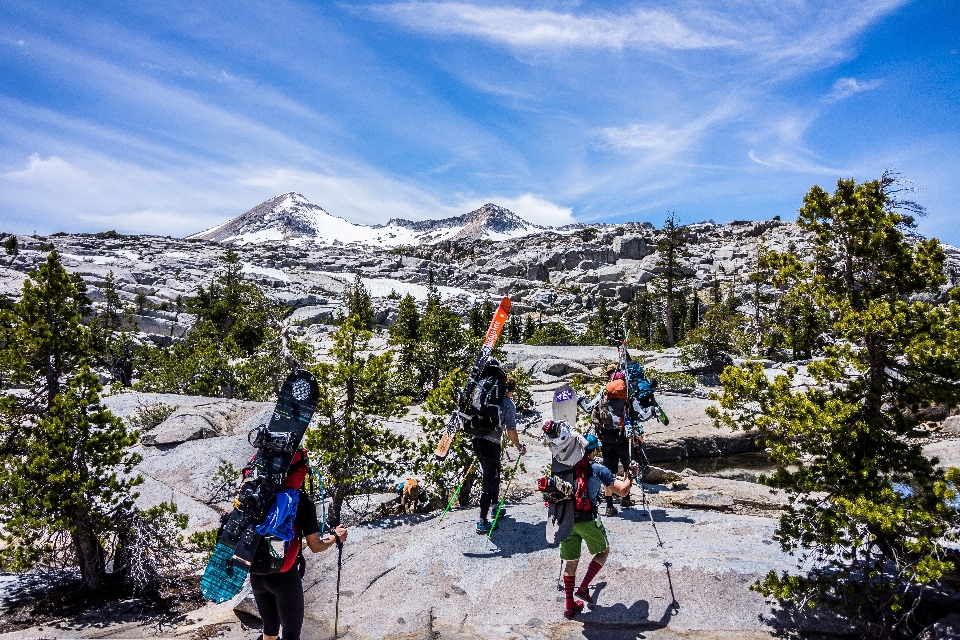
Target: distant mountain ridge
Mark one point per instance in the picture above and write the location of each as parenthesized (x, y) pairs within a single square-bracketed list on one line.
[(290, 217)]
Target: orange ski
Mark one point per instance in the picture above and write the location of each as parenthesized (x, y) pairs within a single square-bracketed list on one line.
[(493, 334)]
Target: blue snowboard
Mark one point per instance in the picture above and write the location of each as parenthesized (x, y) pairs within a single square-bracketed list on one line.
[(276, 442)]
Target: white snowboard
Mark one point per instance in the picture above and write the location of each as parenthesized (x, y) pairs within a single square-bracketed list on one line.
[(565, 405)]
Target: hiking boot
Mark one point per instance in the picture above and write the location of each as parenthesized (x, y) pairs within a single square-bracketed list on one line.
[(611, 511), (484, 527), (583, 593), (626, 502), (577, 608)]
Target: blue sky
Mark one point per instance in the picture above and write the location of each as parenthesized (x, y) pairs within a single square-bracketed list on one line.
[(169, 117)]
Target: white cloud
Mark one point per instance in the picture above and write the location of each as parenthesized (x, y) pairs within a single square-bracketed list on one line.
[(89, 192), (663, 140), (790, 162), (531, 207), (524, 28), (843, 88), (650, 137), (779, 35)]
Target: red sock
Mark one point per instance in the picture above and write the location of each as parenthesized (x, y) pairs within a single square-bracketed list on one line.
[(591, 573), (568, 582)]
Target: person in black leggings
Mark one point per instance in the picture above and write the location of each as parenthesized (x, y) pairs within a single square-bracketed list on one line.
[(279, 596)]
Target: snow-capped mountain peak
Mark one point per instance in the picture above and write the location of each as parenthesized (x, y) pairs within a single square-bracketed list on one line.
[(291, 217)]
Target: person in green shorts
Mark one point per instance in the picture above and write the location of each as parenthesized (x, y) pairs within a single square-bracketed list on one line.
[(588, 528)]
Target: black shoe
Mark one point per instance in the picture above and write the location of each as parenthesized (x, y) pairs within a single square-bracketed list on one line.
[(626, 502), (611, 511)]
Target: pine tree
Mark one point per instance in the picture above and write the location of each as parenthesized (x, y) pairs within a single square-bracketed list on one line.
[(359, 303), (442, 477), (236, 347), (11, 246), (671, 254), (405, 336), (693, 311), (477, 325), (110, 345), (46, 340), (514, 331), (353, 451), (444, 343), (869, 513), (65, 470), (528, 328)]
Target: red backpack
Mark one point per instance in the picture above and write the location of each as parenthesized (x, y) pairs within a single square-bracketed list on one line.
[(296, 472), (581, 492)]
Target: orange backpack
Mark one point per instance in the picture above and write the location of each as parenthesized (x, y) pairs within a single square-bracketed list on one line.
[(617, 389)]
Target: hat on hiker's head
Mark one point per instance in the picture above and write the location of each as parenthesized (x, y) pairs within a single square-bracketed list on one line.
[(610, 368), (592, 442)]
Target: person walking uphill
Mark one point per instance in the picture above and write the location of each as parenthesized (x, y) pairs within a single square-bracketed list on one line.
[(279, 592), (487, 449), (588, 528), (608, 411)]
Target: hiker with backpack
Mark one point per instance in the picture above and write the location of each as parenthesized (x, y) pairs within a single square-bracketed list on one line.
[(608, 414), (589, 478), (498, 414), (276, 573)]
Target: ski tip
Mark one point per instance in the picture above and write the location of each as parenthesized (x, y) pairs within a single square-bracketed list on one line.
[(505, 303)]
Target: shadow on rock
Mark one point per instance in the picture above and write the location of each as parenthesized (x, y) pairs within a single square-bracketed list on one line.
[(514, 537), (392, 522), (659, 515), (618, 622)]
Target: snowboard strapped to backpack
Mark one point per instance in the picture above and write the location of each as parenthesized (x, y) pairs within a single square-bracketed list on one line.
[(481, 416)]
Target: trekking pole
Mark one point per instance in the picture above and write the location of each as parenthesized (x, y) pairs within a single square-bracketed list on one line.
[(504, 498), (456, 493), (336, 607)]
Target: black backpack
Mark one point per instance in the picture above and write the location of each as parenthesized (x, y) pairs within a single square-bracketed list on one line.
[(482, 408)]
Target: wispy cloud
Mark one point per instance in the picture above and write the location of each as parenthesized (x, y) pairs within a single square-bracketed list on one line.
[(843, 88), (802, 32), (525, 28), (787, 162), (662, 140)]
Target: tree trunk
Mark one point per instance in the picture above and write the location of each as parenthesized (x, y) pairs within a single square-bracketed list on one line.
[(90, 554), (668, 315)]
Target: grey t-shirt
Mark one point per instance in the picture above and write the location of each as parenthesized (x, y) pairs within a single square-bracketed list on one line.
[(508, 421)]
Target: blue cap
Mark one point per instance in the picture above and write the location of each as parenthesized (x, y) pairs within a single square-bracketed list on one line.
[(592, 442)]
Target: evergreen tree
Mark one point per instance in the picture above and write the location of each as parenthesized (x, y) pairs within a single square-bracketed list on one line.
[(869, 513), (64, 471), (553, 334), (236, 348), (671, 254), (478, 327), (10, 246), (693, 311), (641, 317), (444, 343), (358, 302), (442, 476), (111, 346), (528, 328), (720, 336), (514, 330), (716, 293), (405, 336), (45, 340), (353, 451), (760, 276)]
